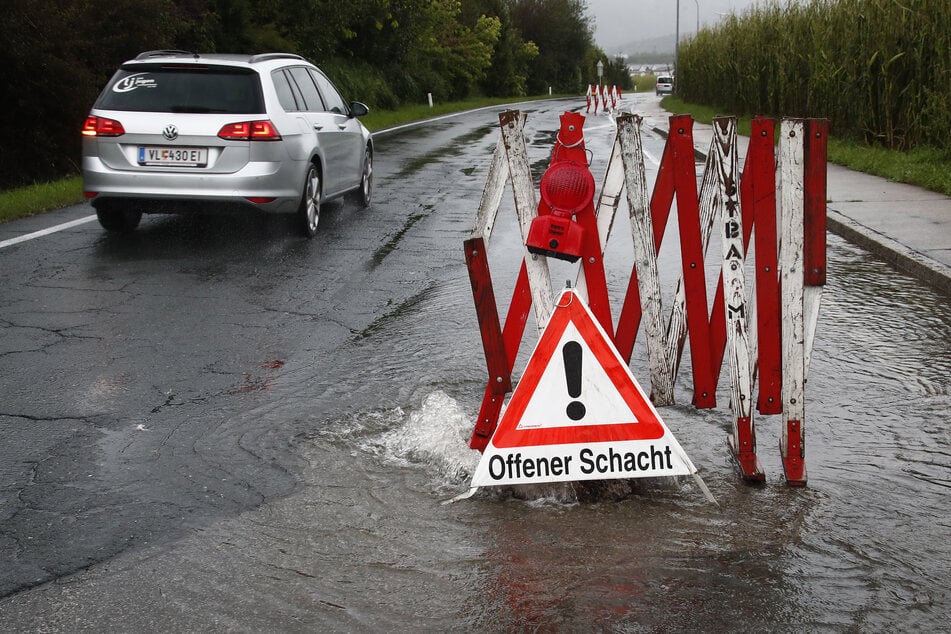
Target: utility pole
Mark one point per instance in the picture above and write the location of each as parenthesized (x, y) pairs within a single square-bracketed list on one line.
[(677, 49)]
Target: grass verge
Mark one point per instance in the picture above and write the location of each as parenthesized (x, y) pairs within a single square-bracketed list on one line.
[(40, 197), (37, 198), (925, 167)]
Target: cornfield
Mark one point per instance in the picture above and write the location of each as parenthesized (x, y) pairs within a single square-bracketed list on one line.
[(880, 70)]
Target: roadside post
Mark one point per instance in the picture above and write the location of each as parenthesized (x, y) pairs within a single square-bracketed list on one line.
[(600, 67)]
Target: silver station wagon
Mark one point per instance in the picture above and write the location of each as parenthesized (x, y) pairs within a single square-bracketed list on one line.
[(179, 132)]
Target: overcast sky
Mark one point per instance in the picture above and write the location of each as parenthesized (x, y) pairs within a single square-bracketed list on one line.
[(618, 22)]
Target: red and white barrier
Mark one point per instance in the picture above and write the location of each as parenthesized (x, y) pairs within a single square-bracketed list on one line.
[(599, 97), (785, 288)]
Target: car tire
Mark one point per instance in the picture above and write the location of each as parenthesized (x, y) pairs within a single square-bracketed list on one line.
[(118, 220), (364, 195), (309, 210)]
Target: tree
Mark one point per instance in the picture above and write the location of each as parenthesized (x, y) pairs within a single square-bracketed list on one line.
[(562, 31), (452, 56), (56, 58), (511, 57), (60, 53), (616, 72)]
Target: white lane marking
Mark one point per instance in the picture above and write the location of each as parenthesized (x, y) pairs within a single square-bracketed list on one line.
[(412, 124), (592, 128), (650, 157), (46, 232)]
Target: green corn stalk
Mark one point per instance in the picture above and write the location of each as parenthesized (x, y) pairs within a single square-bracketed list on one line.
[(879, 69)]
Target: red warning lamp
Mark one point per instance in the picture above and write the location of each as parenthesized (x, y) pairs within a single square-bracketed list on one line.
[(566, 189)]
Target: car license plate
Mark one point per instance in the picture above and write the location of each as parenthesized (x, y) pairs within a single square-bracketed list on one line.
[(179, 156)]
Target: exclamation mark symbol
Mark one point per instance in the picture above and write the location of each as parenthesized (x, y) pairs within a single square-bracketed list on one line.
[(571, 352)]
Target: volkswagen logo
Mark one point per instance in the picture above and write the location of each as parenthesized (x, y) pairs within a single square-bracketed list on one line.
[(170, 132)]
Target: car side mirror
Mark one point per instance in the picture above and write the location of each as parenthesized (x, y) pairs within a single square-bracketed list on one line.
[(358, 109)]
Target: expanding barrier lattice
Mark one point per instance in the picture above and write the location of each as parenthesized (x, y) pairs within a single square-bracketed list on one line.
[(762, 323)]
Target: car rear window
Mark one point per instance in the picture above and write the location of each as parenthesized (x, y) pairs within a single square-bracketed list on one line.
[(167, 88), (665, 80)]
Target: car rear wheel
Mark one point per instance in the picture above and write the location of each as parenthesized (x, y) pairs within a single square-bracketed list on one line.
[(309, 210), (118, 220)]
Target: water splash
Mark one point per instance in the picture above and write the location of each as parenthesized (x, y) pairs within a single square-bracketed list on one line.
[(435, 436)]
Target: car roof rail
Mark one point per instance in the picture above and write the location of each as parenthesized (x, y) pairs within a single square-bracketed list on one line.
[(164, 53), (263, 57)]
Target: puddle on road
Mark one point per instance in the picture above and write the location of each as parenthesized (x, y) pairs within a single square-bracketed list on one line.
[(475, 135), (860, 544), (455, 147), (545, 138)]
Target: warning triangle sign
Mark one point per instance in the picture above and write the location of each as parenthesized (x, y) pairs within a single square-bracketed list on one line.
[(578, 413)]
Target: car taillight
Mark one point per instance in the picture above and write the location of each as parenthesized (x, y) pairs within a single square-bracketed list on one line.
[(250, 131), (100, 126)]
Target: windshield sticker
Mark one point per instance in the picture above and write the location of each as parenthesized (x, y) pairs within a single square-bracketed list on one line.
[(138, 80)]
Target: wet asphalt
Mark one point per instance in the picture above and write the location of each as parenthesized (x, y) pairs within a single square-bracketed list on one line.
[(215, 424), (139, 371)]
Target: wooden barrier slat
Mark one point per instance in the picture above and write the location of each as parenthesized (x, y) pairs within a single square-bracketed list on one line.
[(691, 248), (526, 207), (733, 280), (792, 279), (645, 259)]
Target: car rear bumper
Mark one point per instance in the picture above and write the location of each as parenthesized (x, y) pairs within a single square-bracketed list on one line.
[(181, 190)]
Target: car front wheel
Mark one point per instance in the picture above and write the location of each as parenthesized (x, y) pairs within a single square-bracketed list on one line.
[(309, 210), (118, 220), (365, 194)]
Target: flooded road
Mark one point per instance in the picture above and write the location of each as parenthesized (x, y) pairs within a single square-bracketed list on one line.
[(225, 428)]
